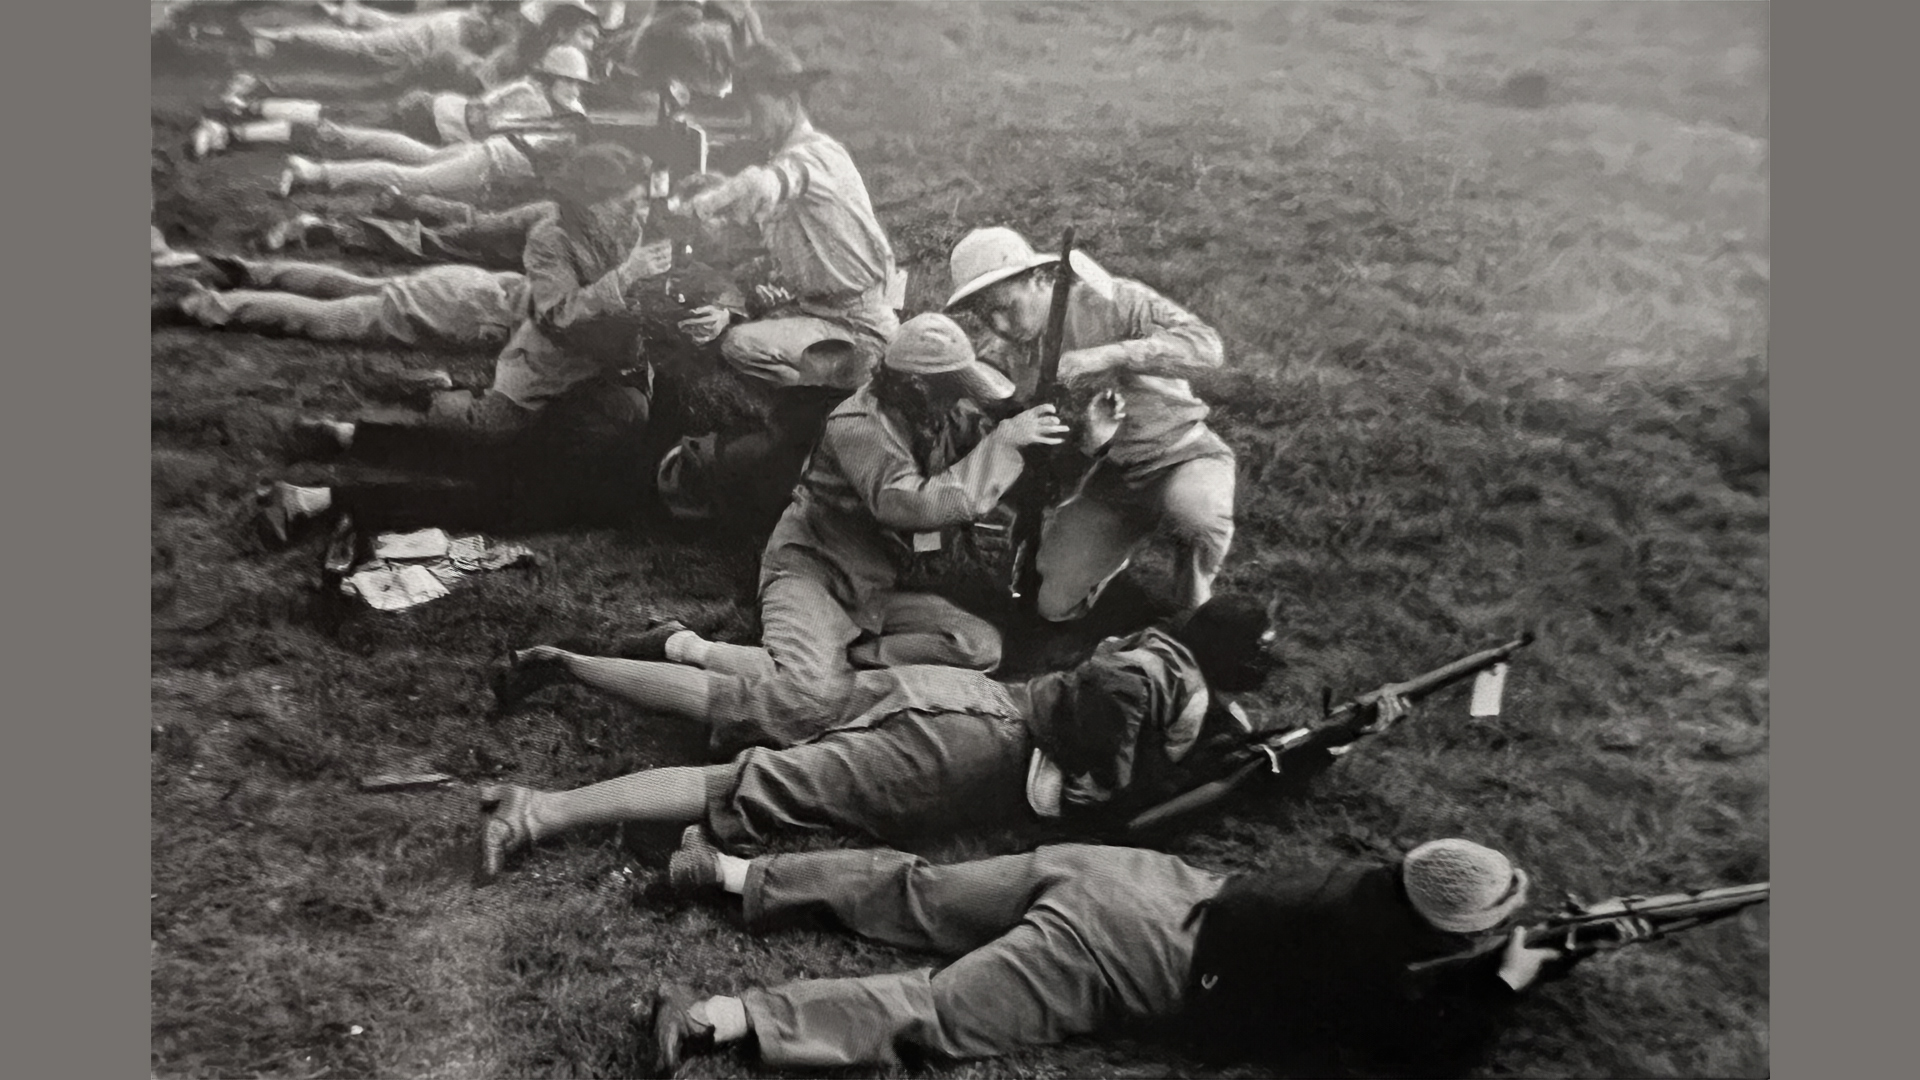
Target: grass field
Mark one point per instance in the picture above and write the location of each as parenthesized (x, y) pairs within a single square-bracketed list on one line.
[(1493, 280)]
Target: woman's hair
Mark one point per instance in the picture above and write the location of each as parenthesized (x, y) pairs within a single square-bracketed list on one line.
[(916, 404)]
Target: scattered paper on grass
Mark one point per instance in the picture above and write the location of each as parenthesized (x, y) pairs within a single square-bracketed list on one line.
[(420, 544), (408, 569), (391, 588)]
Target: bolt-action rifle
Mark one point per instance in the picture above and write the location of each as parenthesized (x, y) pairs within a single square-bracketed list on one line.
[(1339, 726), (1585, 928), (1041, 488)]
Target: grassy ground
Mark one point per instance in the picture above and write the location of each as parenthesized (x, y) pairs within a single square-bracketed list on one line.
[(1496, 361)]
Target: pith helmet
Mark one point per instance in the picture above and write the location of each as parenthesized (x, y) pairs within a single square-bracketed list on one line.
[(986, 256)]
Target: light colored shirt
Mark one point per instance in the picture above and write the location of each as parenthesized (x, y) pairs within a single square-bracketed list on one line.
[(1158, 345), (817, 221)]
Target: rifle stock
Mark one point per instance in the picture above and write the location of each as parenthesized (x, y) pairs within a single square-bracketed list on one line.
[(1667, 914), (1039, 492), (1270, 749)]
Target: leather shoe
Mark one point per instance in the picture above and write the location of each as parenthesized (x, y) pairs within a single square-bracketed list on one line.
[(675, 1032), (694, 869), (526, 673), (504, 828)]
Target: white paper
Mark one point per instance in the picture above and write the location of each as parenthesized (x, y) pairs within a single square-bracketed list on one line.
[(926, 541), (1487, 688), (424, 544), (467, 552), (393, 588)]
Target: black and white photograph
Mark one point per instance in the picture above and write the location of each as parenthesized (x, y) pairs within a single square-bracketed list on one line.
[(946, 538)]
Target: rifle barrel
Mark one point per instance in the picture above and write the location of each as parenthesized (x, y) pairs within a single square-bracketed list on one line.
[(1024, 580), (1669, 913), (1447, 674)]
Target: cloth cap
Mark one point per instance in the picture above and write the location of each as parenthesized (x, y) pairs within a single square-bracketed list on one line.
[(1460, 886), (566, 62), (773, 69), (932, 344), (986, 256)]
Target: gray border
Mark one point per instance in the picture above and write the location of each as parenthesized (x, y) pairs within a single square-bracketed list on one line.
[(70, 882), (1840, 83), (78, 842)]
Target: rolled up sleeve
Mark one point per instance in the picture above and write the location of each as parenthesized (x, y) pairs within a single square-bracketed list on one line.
[(753, 194), (1163, 338)]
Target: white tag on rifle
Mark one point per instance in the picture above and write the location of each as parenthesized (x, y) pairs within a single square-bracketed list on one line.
[(897, 289), (1487, 688), (926, 541), (659, 184)]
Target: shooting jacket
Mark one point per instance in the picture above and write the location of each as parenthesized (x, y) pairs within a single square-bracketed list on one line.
[(1116, 725), (1318, 955), (863, 496), (582, 318)]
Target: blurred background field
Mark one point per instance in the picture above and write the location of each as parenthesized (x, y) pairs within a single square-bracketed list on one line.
[(1494, 283)]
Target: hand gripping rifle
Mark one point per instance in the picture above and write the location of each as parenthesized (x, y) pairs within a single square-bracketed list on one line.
[(1042, 485), (1339, 725), (1584, 930)]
